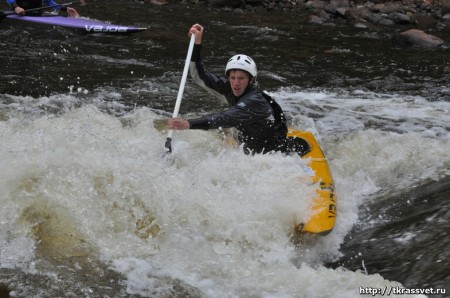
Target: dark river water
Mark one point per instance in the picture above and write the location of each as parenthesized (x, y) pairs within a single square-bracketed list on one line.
[(92, 207)]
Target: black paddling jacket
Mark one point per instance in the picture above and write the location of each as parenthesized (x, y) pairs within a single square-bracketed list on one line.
[(251, 114), (31, 4)]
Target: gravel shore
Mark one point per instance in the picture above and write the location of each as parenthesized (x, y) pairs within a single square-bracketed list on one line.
[(364, 14)]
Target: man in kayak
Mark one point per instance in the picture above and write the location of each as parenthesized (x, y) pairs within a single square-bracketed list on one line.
[(20, 7), (258, 118)]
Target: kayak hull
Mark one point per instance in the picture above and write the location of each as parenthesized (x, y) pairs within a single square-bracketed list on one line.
[(81, 24), (322, 214)]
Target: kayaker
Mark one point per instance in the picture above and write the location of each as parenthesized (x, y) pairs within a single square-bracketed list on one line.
[(20, 7), (259, 120)]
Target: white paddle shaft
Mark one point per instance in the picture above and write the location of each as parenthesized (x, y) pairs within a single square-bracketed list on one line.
[(183, 82)]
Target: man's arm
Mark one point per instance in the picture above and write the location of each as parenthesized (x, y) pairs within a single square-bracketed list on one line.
[(213, 84)]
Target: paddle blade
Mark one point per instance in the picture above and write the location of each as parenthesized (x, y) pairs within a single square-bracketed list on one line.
[(4, 14), (169, 144)]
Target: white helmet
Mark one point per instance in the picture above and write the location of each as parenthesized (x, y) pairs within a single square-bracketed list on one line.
[(242, 62)]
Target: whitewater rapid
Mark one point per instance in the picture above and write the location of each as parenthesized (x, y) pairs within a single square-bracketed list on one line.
[(89, 184)]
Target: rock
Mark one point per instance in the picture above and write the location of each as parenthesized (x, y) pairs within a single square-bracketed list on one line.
[(366, 14), (360, 25), (385, 22), (159, 2), (426, 13), (390, 7), (360, 13), (425, 20), (351, 14), (377, 8), (417, 38), (400, 18), (445, 9), (255, 2), (313, 19), (222, 3), (341, 11), (336, 4), (446, 19), (323, 15), (315, 4)]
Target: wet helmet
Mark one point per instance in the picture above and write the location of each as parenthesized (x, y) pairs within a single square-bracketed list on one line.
[(242, 62)]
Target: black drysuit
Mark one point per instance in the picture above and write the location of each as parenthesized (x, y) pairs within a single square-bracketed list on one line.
[(258, 118), (33, 4)]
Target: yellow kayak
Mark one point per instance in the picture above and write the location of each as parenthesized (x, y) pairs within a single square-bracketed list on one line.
[(323, 211)]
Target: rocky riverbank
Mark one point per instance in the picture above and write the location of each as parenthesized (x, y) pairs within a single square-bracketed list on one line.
[(362, 13), (422, 15)]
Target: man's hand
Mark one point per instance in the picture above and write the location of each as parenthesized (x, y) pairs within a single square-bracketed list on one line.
[(19, 10), (178, 123), (71, 12), (197, 30)]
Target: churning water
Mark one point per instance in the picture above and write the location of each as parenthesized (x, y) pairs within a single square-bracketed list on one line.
[(93, 206)]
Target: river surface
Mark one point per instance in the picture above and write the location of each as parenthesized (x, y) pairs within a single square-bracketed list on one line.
[(93, 206)]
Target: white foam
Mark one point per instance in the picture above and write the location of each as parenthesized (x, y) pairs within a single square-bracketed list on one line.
[(214, 218)]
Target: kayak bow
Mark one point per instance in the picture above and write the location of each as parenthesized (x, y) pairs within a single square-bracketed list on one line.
[(82, 24)]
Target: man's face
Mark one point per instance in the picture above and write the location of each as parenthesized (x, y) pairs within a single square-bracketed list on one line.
[(239, 81)]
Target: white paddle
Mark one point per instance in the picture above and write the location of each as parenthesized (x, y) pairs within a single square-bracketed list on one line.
[(180, 91)]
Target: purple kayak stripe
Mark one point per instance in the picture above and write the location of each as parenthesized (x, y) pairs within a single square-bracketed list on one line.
[(76, 23)]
